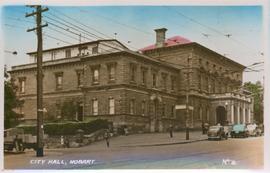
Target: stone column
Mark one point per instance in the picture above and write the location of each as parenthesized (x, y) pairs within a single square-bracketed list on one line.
[(244, 114), (248, 115), (232, 114), (238, 114)]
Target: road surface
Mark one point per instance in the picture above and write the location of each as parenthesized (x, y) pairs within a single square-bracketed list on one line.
[(233, 153)]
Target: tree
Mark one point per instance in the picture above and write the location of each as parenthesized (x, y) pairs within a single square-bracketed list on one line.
[(11, 102), (257, 92)]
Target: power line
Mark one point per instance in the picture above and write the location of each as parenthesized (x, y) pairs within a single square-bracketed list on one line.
[(61, 13), (119, 23), (65, 29), (78, 30), (62, 33), (57, 39), (20, 20), (86, 26), (46, 35), (215, 30)]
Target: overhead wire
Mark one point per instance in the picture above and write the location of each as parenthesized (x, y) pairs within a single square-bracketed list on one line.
[(215, 30)]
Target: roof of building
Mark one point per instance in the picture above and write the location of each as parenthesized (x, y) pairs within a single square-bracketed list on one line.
[(80, 58), (176, 40), (80, 44)]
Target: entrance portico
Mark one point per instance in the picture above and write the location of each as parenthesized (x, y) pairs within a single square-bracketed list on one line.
[(232, 108)]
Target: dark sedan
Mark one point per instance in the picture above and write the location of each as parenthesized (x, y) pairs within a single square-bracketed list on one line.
[(216, 132)]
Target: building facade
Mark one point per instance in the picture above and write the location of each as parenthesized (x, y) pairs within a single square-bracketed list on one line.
[(145, 90)]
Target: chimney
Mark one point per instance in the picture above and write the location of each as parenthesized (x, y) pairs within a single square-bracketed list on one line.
[(160, 37)]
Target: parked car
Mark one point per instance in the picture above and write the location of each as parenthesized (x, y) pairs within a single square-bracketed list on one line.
[(239, 130), (216, 132), (253, 130), (14, 138), (261, 127), (228, 129)]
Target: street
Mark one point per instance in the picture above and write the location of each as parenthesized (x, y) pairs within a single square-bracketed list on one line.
[(236, 153)]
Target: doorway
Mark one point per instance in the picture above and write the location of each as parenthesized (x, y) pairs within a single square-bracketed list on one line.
[(221, 115)]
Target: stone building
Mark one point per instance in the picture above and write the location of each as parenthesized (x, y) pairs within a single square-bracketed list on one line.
[(145, 90)]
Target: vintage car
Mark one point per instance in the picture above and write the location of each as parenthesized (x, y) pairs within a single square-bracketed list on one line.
[(228, 130), (14, 138), (253, 130), (239, 130), (216, 132)]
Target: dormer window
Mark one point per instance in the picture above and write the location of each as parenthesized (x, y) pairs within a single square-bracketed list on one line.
[(68, 53), (53, 55), (95, 50)]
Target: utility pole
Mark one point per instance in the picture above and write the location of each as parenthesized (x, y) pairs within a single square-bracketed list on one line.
[(38, 29), (187, 97)]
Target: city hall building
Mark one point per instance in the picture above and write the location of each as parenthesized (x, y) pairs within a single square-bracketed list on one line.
[(145, 90)]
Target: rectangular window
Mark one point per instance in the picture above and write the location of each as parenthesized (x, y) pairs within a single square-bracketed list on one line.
[(68, 53), (154, 80), (164, 81), (172, 111), (163, 113), (95, 76), (95, 50), (133, 72), (111, 106), (59, 80), (143, 108), (172, 83), (200, 61), (200, 113), (95, 106), (144, 73), (111, 72), (207, 84), (214, 86), (22, 85), (131, 106), (199, 82), (79, 77)]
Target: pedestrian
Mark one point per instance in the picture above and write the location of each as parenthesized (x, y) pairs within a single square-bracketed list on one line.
[(171, 130), (126, 130), (203, 128), (66, 142), (107, 138), (206, 127)]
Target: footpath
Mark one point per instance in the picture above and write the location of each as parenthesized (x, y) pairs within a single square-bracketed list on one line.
[(157, 139)]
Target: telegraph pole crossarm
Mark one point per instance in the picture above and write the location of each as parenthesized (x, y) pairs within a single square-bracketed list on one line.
[(38, 29)]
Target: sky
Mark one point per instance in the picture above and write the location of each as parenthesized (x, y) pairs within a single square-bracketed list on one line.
[(233, 31)]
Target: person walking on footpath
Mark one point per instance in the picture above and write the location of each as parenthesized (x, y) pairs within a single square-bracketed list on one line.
[(107, 138), (203, 128), (171, 130)]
